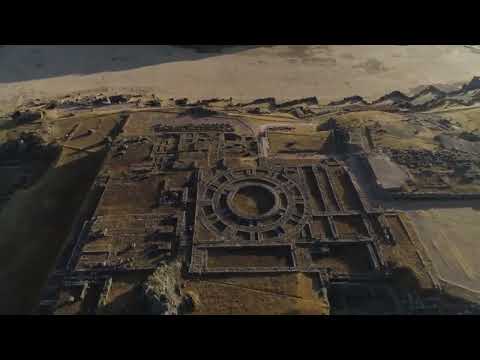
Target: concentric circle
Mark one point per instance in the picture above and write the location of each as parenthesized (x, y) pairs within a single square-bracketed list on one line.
[(252, 200), (261, 204)]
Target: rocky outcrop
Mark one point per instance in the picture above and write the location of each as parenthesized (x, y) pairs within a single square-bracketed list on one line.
[(393, 98), (473, 136), (427, 98), (432, 97), (199, 111), (305, 101), (29, 146), (269, 100), (181, 102), (352, 100), (474, 84), (430, 90), (163, 294), (26, 116)]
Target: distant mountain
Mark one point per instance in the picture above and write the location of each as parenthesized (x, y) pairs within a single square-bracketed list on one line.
[(393, 98), (352, 100), (427, 98), (430, 89), (474, 84)]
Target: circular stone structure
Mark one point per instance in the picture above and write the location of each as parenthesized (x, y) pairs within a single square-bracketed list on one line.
[(253, 201), (251, 205)]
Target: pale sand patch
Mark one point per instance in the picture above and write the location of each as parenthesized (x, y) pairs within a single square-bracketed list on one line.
[(285, 72), (451, 238)]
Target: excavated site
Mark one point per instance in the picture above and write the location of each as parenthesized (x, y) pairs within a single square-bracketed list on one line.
[(164, 206)]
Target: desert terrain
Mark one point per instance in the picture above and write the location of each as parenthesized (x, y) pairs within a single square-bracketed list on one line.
[(328, 72), (242, 180)]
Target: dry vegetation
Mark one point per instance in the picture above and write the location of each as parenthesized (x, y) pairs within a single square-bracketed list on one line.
[(467, 118), (285, 294)]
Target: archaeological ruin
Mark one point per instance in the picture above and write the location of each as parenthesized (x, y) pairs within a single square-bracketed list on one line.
[(204, 192), (221, 207)]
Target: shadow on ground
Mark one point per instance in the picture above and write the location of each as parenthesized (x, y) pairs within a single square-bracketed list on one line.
[(33, 62), (405, 285), (448, 303), (34, 226)]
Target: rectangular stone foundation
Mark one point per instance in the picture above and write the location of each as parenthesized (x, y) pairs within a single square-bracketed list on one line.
[(249, 257)]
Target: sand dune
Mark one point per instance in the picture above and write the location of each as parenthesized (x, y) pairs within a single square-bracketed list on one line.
[(242, 72)]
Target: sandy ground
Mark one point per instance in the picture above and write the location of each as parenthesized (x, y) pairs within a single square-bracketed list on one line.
[(451, 238), (243, 72)]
